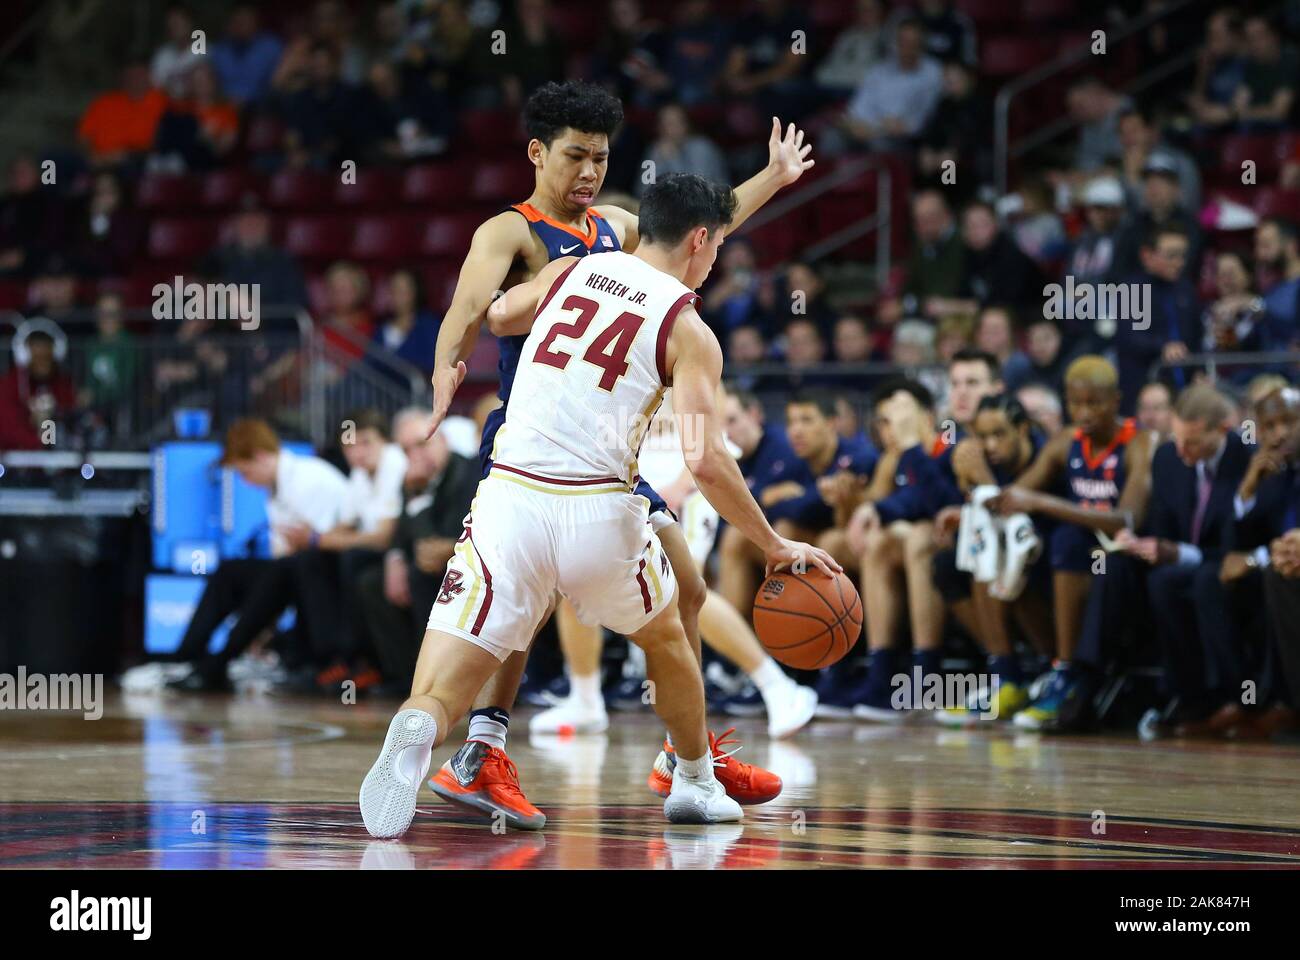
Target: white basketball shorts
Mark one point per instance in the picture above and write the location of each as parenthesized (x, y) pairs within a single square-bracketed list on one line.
[(527, 537)]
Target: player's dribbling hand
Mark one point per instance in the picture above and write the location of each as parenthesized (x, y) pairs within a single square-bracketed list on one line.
[(798, 557), (787, 156), (445, 382)]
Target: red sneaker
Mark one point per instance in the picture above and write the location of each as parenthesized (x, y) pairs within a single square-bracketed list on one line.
[(485, 780), (744, 782)]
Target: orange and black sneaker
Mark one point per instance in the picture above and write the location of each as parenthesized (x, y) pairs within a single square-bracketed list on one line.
[(744, 782), (483, 779)]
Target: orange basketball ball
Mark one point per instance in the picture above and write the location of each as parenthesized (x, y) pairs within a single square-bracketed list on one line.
[(807, 620)]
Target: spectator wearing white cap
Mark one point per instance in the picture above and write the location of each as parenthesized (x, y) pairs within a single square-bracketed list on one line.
[(1093, 257)]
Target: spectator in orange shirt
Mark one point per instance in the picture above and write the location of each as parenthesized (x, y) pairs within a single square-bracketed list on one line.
[(198, 130), (122, 122)]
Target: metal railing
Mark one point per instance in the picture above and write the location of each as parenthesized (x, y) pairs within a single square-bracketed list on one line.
[(288, 371), (879, 222), (1223, 366), (1004, 151)]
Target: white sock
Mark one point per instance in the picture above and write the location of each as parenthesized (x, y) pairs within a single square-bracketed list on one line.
[(697, 770), (586, 689), (484, 728), (769, 676)]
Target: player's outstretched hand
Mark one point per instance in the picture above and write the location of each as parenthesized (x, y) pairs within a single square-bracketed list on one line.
[(445, 382), (787, 156), (799, 557)]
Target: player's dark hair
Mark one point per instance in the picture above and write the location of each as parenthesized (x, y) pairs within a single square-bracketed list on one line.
[(747, 399), (975, 355), (678, 203), (1153, 235), (896, 384), (1006, 404), (823, 400), (574, 105), (368, 418)]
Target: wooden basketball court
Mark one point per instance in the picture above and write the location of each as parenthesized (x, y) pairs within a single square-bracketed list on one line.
[(247, 782)]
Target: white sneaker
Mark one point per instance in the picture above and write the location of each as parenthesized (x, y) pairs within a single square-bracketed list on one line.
[(789, 709), (570, 716), (388, 793), (699, 849), (884, 715), (152, 677), (699, 801)]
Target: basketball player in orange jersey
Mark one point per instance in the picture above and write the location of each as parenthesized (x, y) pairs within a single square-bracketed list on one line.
[(1104, 464), (605, 338), (569, 125)]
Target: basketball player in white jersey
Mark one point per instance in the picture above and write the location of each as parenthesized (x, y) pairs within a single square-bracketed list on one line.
[(607, 336), (662, 464)]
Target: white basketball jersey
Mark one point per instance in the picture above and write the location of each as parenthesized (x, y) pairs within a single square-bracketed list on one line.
[(591, 373)]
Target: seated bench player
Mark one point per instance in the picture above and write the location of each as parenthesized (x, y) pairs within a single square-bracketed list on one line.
[(1102, 465), (794, 503)]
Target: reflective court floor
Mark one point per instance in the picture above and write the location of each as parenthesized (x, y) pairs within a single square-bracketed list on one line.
[(173, 781)]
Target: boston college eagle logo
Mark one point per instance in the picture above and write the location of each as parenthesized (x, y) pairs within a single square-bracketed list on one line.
[(451, 587)]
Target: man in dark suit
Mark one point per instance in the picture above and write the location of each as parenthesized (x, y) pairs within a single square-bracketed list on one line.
[(1267, 508), (1190, 526)]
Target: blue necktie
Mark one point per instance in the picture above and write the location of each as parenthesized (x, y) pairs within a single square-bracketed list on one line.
[(1180, 376)]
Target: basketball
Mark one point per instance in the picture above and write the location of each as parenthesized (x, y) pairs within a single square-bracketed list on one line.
[(807, 621)]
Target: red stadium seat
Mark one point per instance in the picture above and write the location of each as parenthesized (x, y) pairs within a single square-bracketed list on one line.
[(181, 239), (223, 189), (831, 16), (833, 216), (263, 134), (301, 189), (317, 238), (509, 181), (773, 242), (384, 238), (440, 283), (440, 184), (984, 12), (372, 189), (491, 128), (1009, 54), (13, 294), (577, 25), (448, 236), (746, 125), (1261, 148), (164, 193), (1047, 10), (1277, 202)]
